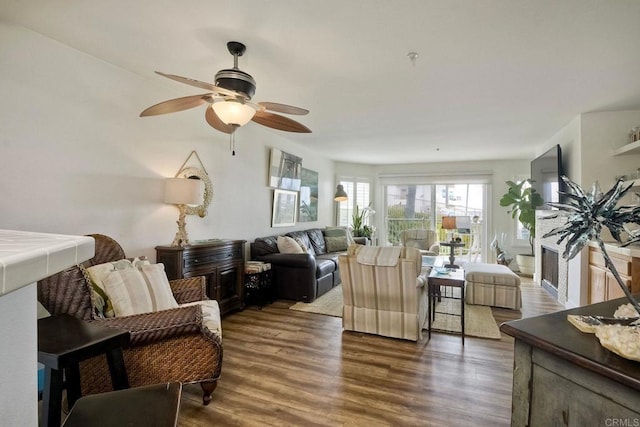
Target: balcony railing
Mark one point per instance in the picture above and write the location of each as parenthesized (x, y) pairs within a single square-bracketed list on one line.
[(396, 225)]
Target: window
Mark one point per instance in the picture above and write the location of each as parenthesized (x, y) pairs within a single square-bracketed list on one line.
[(423, 206), (408, 206), (359, 193)]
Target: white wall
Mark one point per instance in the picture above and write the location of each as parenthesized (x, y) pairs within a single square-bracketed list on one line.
[(602, 133), (587, 143), (18, 358), (78, 159)]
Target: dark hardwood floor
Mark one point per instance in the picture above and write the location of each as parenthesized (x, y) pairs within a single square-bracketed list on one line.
[(288, 368)]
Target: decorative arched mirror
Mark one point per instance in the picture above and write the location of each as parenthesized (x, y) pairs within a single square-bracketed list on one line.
[(196, 173)]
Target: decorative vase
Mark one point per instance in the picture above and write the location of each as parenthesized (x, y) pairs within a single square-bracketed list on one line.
[(502, 257), (526, 264)]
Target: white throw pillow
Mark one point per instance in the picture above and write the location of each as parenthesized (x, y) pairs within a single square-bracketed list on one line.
[(97, 277), (128, 292), (158, 285), (287, 245)]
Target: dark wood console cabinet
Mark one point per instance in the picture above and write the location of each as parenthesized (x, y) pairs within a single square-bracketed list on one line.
[(220, 261), (564, 377)]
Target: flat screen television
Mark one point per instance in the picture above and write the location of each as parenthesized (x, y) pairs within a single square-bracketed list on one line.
[(545, 175)]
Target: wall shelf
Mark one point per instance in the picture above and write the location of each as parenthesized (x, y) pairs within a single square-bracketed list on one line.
[(631, 148)]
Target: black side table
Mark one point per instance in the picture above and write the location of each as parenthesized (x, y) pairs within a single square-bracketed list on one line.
[(257, 288), (453, 279), (64, 341), (148, 406)]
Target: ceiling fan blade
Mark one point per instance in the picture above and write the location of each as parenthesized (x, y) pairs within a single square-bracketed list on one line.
[(214, 121), (177, 104), (283, 108), (202, 85), (279, 122)]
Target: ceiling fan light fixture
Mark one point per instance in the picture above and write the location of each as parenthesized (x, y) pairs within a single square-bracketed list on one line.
[(232, 112)]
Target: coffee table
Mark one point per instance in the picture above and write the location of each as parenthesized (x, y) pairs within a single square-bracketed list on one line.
[(449, 280)]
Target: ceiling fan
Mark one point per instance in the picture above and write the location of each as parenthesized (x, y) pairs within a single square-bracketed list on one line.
[(230, 99)]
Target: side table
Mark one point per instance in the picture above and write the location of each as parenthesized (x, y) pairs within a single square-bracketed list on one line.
[(453, 279), (452, 256), (258, 287), (149, 406), (64, 341)]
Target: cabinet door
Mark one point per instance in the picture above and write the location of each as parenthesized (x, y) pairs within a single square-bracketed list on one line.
[(613, 288), (212, 284), (556, 401), (597, 284), (230, 287), (228, 279)]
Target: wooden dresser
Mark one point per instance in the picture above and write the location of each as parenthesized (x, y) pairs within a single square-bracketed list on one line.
[(564, 377), (220, 261)]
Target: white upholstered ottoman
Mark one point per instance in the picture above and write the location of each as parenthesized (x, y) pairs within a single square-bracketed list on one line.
[(492, 284)]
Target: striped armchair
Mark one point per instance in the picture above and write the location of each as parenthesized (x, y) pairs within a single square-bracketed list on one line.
[(385, 292), (424, 240)]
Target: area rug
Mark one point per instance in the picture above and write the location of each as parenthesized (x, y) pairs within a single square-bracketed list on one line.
[(478, 322), (478, 319), (329, 304)]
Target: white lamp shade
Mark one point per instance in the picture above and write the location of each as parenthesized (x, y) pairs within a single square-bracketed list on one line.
[(183, 191), (233, 112)]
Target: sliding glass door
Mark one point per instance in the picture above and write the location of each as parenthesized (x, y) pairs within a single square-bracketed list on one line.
[(423, 206)]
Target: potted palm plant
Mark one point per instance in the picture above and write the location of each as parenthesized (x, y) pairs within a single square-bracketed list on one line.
[(523, 201)]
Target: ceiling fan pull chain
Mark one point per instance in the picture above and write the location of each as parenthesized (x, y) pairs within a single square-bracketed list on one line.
[(232, 143)]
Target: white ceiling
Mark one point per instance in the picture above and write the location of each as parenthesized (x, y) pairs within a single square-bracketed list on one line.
[(494, 78)]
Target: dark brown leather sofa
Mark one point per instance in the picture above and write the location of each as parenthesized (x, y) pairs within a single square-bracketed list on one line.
[(300, 277)]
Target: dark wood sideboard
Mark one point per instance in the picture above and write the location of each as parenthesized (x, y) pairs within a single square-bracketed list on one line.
[(562, 376), (220, 261)]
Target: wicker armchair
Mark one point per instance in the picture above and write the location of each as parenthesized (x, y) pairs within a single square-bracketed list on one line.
[(166, 346)]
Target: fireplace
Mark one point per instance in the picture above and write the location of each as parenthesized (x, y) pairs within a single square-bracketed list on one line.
[(552, 270), (549, 270)]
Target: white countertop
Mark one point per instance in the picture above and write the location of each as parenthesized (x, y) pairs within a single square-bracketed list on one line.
[(615, 247), (26, 257)]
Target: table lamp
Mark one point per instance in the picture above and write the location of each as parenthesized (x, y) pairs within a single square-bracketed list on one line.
[(449, 223), (182, 192)]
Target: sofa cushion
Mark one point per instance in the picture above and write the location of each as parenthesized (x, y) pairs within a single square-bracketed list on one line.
[(317, 240), (494, 274), (303, 238), (333, 256), (336, 244), (158, 285), (339, 232), (96, 275), (288, 245), (265, 246), (324, 266), (128, 292), (210, 315)]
